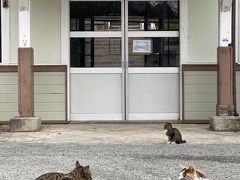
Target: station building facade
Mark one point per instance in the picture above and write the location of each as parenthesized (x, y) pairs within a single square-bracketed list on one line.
[(120, 60)]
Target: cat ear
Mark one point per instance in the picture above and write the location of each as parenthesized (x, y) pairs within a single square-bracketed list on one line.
[(77, 164), (200, 173), (191, 168), (182, 166), (87, 167)]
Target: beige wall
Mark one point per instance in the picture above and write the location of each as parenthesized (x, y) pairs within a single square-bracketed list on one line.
[(45, 31), (238, 40), (203, 31), (13, 31), (46, 37)]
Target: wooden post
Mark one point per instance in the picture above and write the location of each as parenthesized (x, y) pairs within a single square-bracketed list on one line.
[(26, 121), (225, 106), (25, 62), (227, 118), (226, 59), (25, 82)]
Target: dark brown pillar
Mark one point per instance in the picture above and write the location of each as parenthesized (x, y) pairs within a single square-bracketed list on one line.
[(225, 106), (25, 82)]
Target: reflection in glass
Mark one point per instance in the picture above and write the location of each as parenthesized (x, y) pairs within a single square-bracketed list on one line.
[(164, 53), (95, 16), (95, 52), (153, 16)]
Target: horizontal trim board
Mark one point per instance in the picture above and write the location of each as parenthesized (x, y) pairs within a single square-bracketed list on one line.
[(95, 70), (94, 117), (153, 34), (199, 67), (203, 67), (50, 68), (99, 34), (6, 68), (162, 70), (36, 68), (154, 116), (165, 70)]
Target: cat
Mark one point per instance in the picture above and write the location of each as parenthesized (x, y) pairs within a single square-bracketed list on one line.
[(191, 173), (173, 134), (79, 173)]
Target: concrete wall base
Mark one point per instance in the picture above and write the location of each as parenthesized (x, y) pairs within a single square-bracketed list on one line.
[(224, 123), (25, 124)]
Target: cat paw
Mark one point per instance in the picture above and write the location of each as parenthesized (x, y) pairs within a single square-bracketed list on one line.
[(168, 142)]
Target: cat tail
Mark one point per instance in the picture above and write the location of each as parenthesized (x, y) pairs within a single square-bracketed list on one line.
[(180, 142), (183, 141)]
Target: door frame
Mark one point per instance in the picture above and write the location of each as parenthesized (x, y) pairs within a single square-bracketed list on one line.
[(110, 70), (65, 51), (150, 70)]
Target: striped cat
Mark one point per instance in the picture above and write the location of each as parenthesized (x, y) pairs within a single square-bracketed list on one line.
[(79, 173)]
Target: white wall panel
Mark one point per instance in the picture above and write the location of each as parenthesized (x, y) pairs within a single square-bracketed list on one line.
[(95, 93), (153, 93)]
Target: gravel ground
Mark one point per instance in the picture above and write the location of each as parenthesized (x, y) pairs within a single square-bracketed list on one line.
[(26, 161)]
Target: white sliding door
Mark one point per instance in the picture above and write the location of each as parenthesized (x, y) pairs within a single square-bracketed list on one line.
[(124, 60)]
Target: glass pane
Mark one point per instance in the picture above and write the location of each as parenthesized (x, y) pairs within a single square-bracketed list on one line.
[(95, 16), (95, 52), (153, 16), (154, 52)]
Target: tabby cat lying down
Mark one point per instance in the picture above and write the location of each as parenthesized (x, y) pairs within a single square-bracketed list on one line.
[(79, 173)]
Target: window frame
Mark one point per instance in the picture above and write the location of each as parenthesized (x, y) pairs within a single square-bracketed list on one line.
[(99, 34), (125, 34), (148, 34)]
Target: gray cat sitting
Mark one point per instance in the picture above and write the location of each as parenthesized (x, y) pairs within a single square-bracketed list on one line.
[(79, 173), (173, 134)]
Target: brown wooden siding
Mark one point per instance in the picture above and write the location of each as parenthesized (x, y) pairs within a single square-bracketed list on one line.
[(38, 70), (200, 68)]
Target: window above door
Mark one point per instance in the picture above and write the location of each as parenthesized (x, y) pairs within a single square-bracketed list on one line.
[(153, 15), (95, 16)]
